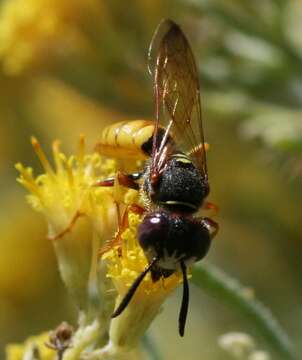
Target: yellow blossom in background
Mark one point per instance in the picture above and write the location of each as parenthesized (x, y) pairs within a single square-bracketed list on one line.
[(33, 348), (35, 29), (81, 113)]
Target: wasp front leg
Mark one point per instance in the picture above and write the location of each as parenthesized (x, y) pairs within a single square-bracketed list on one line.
[(126, 180), (123, 224)]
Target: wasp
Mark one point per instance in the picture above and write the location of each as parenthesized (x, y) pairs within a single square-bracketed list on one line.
[(174, 183)]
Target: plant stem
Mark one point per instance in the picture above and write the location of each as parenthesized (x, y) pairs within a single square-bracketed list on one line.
[(83, 337)]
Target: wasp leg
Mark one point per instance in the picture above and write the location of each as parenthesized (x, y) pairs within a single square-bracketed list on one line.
[(213, 225), (68, 229), (116, 240), (127, 180), (211, 206), (122, 225), (118, 211), (136, 209)]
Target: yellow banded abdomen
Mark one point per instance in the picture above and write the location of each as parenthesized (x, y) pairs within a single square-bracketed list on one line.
[(125, 139)]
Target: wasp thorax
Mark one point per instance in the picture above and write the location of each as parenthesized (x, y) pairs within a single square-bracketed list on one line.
[(180, 186), (173, 238)]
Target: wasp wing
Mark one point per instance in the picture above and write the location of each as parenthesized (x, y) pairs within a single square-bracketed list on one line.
[(177, 97)]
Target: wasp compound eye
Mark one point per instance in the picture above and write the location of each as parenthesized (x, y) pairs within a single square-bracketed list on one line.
[(152, 233)]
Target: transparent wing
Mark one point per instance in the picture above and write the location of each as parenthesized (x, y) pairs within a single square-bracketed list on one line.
[(177, 97)]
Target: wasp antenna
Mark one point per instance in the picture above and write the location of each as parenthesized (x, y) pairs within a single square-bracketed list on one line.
[(122, 306), (185, 301)]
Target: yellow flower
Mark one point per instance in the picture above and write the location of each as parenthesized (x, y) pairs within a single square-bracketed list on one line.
[(74, 210), (81, 217), (68, 191), (34, 345)]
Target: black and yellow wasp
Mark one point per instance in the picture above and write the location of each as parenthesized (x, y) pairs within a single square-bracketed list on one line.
[(174, 182)]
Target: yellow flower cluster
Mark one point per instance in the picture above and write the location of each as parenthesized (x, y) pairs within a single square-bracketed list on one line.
[(74, 210), (31, 29), (66, 193)]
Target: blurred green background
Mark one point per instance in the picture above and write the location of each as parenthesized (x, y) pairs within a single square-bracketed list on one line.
[(71, 66)]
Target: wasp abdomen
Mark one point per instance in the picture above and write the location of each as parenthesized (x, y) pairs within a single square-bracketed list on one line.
[(127, 139)]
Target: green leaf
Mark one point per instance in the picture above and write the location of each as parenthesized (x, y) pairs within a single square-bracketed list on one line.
[(229, 291)]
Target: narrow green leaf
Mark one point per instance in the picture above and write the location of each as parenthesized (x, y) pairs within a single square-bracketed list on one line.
[(229, 291)]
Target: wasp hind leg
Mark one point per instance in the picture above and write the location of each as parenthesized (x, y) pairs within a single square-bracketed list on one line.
[(213, 225)]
